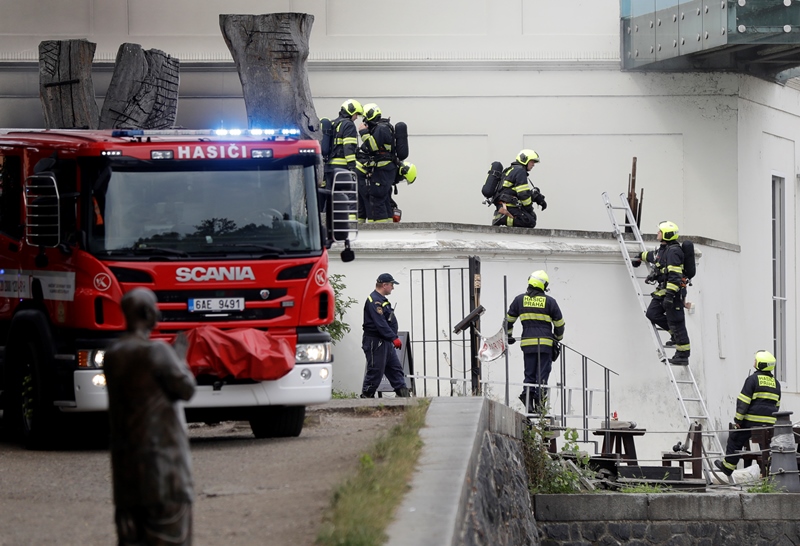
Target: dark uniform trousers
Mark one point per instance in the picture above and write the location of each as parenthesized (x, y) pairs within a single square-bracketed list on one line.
[(737, 439), (538, 365), (673, 320), (379, 193), (381, 360)]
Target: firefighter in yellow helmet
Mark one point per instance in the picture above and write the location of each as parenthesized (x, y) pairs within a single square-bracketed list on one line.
[(755, 405), (542, 330), (345, 140), (376, 164), (666, 305), (515, 202)]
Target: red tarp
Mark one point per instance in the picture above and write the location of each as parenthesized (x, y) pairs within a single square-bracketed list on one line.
[(244, 353)]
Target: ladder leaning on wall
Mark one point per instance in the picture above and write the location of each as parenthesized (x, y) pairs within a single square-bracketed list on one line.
[(691, 400)]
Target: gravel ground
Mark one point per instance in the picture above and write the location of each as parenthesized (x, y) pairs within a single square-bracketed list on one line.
[(248, 491)]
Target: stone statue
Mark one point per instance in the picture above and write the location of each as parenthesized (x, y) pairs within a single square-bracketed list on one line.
[(150, 460)]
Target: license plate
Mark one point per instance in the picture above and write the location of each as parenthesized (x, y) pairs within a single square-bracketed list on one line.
[(215, 305)]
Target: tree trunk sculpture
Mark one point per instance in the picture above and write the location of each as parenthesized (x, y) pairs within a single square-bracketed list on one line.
[(270, 53), (65, 84), (143, 93)]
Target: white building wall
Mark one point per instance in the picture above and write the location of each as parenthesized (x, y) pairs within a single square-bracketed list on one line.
[(476, 81)]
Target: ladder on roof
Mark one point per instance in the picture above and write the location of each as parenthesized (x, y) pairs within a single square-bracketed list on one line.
[(689, 396)]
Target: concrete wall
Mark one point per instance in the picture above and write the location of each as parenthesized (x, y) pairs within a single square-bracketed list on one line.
[(671, 518)]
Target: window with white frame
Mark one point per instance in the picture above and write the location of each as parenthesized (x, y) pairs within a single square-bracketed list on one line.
[(779, 275)]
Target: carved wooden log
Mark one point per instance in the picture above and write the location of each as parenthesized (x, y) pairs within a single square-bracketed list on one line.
[(270, 53), (143, 93), (65, 84)]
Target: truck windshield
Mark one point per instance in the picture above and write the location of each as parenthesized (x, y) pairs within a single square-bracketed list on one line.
[(203, 208)]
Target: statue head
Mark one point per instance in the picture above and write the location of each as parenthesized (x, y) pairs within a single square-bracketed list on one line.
[(140, 309)]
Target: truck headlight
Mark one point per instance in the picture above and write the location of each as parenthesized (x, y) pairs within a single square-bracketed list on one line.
[(313, 352), (91, 358)]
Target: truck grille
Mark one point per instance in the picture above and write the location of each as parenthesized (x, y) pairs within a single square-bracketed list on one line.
[(183, 296)]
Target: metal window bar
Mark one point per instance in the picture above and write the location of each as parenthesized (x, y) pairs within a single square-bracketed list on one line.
[(682, 379)]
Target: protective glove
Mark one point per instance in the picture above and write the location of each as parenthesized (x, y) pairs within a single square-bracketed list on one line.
[(511, 340), (543, 203), (636, 260), (397, 343)]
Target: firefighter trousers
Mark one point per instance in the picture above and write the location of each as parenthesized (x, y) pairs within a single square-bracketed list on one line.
[(538, 364), (737, 439), (673, 320)]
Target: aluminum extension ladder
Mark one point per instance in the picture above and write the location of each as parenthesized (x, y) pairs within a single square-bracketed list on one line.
[(691, 400)]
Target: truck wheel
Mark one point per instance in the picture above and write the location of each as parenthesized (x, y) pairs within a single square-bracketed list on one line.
[(278, 421), (30, 407)]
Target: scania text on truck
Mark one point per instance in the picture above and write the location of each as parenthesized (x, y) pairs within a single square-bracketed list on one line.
[(225, 229)]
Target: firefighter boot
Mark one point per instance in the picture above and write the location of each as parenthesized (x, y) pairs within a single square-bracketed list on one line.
[(364, 395), (722, 468), (669, 343), (402, 392), (681, 358)]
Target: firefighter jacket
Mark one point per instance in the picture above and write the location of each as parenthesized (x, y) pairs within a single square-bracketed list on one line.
[(540, 316), (377, 143), (517, 191), (668, 267), (759, 399), (379, 319), (345, 142)]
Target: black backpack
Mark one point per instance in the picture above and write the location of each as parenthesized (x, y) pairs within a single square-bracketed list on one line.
[(689, 265), (327, 138), (494, 181)]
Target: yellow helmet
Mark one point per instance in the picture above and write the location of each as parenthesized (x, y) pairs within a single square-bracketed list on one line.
[(669, 230), (539, 279), (408, 171), (352, 106), (765, 361), (372, 112), (527, 155)]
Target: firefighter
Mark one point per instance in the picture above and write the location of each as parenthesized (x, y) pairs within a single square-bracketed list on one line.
[(542, 330), (755, 405), (515, 202), (377, 164), (666, 306), (380, 341), (345, 140)]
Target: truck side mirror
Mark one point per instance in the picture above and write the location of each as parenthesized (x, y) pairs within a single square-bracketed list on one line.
[(344, 209), (42, 211)]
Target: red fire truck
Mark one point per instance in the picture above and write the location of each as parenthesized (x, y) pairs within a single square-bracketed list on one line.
[(223, 226)]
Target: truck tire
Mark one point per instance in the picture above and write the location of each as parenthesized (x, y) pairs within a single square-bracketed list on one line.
[(278, 421), (29, 408)]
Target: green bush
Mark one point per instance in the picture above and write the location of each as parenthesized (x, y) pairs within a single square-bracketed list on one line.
[(338, 328)]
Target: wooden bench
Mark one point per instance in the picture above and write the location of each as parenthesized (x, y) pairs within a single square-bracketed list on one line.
[(691, 452), (620, 441)]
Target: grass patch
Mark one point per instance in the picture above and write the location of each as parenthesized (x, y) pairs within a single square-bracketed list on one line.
[(342, 395), (364, 505), (645, 488)]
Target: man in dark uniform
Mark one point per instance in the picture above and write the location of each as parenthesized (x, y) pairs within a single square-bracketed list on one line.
[(380, 341), (378, 167), (515, 202), (755, 405), (150, 461), (666, 307), (542, 330)]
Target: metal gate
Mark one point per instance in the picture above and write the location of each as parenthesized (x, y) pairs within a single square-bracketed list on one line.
[(447, 363)]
